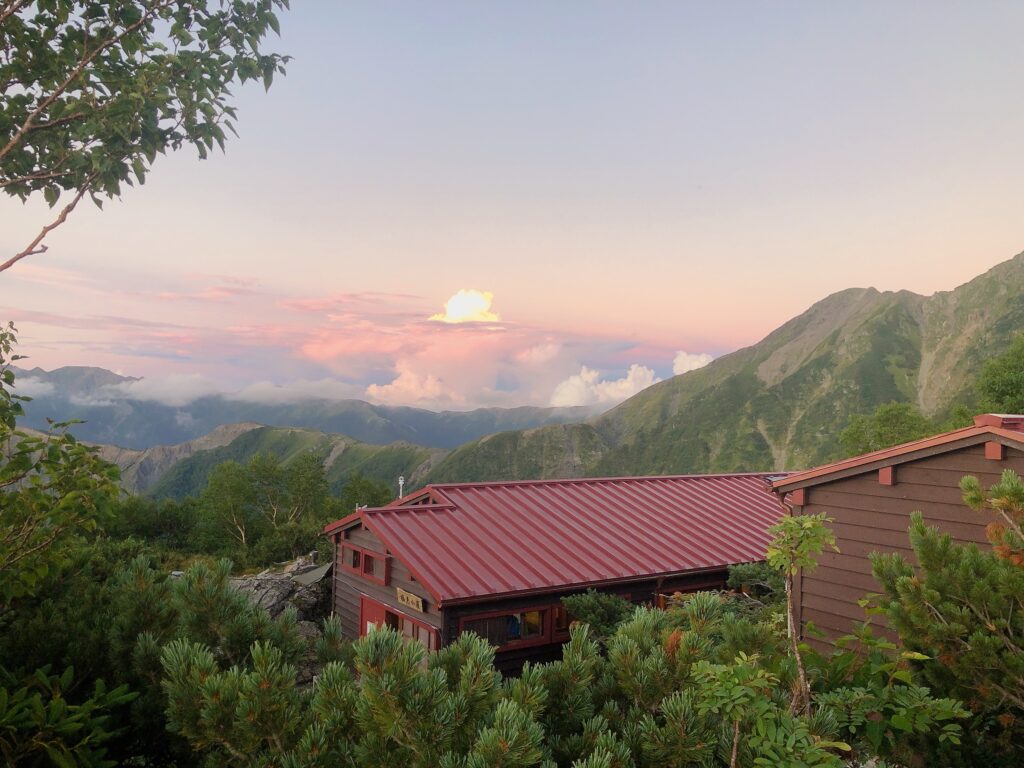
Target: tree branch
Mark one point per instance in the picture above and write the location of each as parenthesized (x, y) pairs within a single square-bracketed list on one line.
[(10, 8), (86, 60), (36, 247)]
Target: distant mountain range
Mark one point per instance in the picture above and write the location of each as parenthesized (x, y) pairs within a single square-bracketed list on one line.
[(96, 396), (779, 404)]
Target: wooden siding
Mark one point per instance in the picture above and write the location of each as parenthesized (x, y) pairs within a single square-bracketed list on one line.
[(872, 517), (349, 586)]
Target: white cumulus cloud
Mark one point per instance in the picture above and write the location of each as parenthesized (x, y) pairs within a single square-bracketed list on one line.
[(587, 388), (468, 306), (410, 387), (688, 361)]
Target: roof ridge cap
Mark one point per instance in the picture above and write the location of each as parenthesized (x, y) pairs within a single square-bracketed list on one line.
[(604, 479)]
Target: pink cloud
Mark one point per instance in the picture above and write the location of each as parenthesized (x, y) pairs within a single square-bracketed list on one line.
[(377, 345), (412, 388)]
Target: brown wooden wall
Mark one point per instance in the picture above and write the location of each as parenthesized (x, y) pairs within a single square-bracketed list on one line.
[(871, 517), (349, 586)]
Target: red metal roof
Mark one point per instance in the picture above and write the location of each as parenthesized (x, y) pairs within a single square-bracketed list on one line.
[(488, 539), (986, 426)]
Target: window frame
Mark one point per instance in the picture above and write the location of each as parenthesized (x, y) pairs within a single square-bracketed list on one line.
[(346, 549), (546, 636)]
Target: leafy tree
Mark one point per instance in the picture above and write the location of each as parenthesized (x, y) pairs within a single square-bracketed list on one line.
[(361, 491), (94, 91), (736, 692), (888, 425), (228, 504), (1001, 383), (38, 726), (166, 523), (53, 488), (796, 542)]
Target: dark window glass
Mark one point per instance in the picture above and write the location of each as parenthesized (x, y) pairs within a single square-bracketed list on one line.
[(561, 619), (508, 628)]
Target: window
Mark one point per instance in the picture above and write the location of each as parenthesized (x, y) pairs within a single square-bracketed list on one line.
[(504, 629), (372, 566), (560, 621), (411, 629)]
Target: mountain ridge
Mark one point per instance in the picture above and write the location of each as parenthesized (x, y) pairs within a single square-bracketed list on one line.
[(781, 403)]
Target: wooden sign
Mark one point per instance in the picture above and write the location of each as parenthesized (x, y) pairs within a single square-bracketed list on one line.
[(409, 600)]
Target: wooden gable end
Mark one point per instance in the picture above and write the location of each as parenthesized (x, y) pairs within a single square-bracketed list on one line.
[(871, 513)]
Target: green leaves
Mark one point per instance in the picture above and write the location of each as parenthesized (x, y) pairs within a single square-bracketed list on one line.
[(55, 489), (36, 720), (101, 87), (797, 540), (1001, 383)]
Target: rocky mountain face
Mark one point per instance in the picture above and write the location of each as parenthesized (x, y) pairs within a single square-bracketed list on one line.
[(781, 403)]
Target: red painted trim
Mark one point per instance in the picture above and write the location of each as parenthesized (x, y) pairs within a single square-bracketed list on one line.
[(344, 522), (1014, 421), (995, 451), (887, 475), (905, 452), (365, 600), (798, 498), (361, 570)]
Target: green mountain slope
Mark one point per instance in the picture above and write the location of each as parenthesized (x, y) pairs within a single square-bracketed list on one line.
[(781, 403), (343, 457)]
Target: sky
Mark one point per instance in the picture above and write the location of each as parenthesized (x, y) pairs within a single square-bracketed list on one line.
[(464, 204)]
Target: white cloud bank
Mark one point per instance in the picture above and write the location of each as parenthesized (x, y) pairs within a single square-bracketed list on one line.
[(33, 387), (586, 387), (269, 393), (686, 361), (468, 306), (176, 390)]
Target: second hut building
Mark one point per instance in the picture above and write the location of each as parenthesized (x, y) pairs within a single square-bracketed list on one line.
[(496, 558)]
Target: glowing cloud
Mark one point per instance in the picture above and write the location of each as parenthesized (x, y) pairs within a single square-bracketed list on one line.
[(539, 353), (410, 387), (685, 361), (586, 388), (468, 306)]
